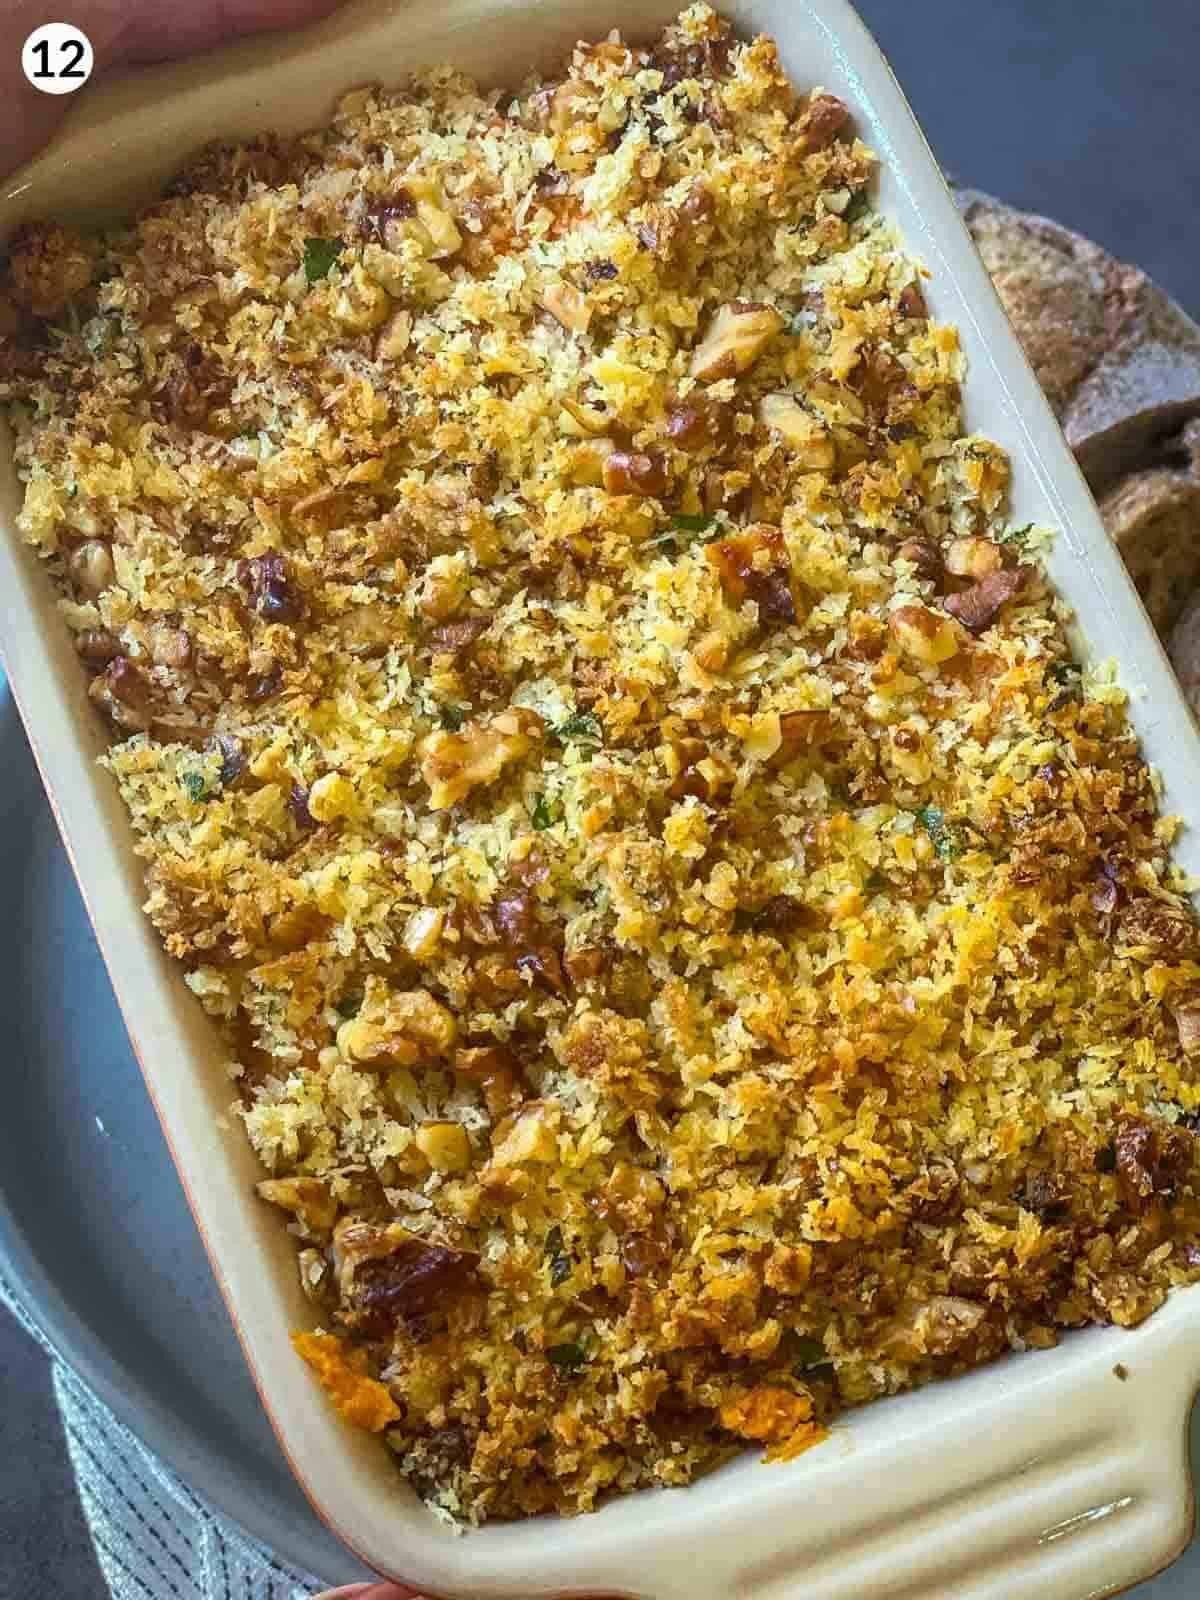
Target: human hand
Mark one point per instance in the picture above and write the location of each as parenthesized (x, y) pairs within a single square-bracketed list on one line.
[(121, 32), (369, 1591)]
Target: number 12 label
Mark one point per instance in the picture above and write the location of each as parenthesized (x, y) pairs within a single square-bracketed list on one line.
[(57, 58)]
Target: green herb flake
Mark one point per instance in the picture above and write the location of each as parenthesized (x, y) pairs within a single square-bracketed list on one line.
[(98, 334), (580, 728), (860, 204), (452, 717), (560, 1262), (686, 530), (196, 785), (806, 1352), (1017, 537), (569, 1358), (541, 815), (319, 256), (1064, 672), (946, 837), (348, 1006)]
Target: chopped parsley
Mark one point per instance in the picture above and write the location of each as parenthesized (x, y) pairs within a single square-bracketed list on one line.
[(541, 816), (686, 529), (569, 1358), (348, 1006), (946, 837), (452, 717), (580, 728), (319, 256), (806, 1355), (1018, 537), (1064, 672), (196, 785), (560, 1263), (860, 204)]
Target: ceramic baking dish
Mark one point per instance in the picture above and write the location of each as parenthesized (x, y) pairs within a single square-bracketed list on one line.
[(1048, 1474)]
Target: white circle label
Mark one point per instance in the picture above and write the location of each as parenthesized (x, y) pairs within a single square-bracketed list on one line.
[(57, 58)]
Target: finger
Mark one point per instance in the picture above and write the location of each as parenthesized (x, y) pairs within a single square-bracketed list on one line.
[(147, 30), (369, 1591)]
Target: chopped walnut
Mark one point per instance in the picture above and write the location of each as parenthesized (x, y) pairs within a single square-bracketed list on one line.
[(444, 1145), (424, 932), (688, 427), (270, 588), (397, 1029), (635, 472), (434, 215), (754, 565), (925, 635), (978, 607), (91, 566), (1159, 926), (495, 1069), (308, 1199), (170, 647), (123, 691), (1187, 1020), (452, 638), (700, 773), (737, 336), (924, 556), (388, 1275), (453, 764), (48, 266), (568, 307), (394, 337), (805, 435), (822, 120), (97, 646), (1152, 1159), (974, 558)]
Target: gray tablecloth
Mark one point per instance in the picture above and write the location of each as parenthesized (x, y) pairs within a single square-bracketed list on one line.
[(154, 1539)]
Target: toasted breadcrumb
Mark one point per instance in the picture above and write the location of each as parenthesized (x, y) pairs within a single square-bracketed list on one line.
[(695, 953)]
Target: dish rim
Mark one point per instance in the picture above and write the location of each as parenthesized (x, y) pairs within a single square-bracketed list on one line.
[(98, 146)]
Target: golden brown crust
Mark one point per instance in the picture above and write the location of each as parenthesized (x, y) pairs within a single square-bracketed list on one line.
[(695, 952)]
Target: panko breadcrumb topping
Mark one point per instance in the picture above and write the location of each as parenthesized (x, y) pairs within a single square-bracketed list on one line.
[(695, 951)]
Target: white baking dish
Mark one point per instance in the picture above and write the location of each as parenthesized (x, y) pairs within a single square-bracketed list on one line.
[(1046, 1474)]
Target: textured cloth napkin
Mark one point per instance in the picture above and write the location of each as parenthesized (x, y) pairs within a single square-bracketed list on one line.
[(154, 1539)]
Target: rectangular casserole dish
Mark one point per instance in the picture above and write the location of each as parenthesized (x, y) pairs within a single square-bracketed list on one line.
[(1047, 1473)]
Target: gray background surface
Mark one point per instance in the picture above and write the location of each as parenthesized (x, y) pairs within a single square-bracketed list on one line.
[(1080, 109)]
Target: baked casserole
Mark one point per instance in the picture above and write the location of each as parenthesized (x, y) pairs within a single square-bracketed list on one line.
[(696, 951)]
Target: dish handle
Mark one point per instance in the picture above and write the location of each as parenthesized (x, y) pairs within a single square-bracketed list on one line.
[(1064, 1475)]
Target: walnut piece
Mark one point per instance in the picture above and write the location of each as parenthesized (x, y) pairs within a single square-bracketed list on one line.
[(397, 1028), (973, 558), (635, 472), (309, 1201), (923, 634), (800, 430), (453, 764), (737, 336), (978, 607), (754, 565), (568, 307)]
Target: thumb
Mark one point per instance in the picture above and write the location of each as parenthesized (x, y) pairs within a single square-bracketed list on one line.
[(123, 31), (369, 1591), (146, 30)]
